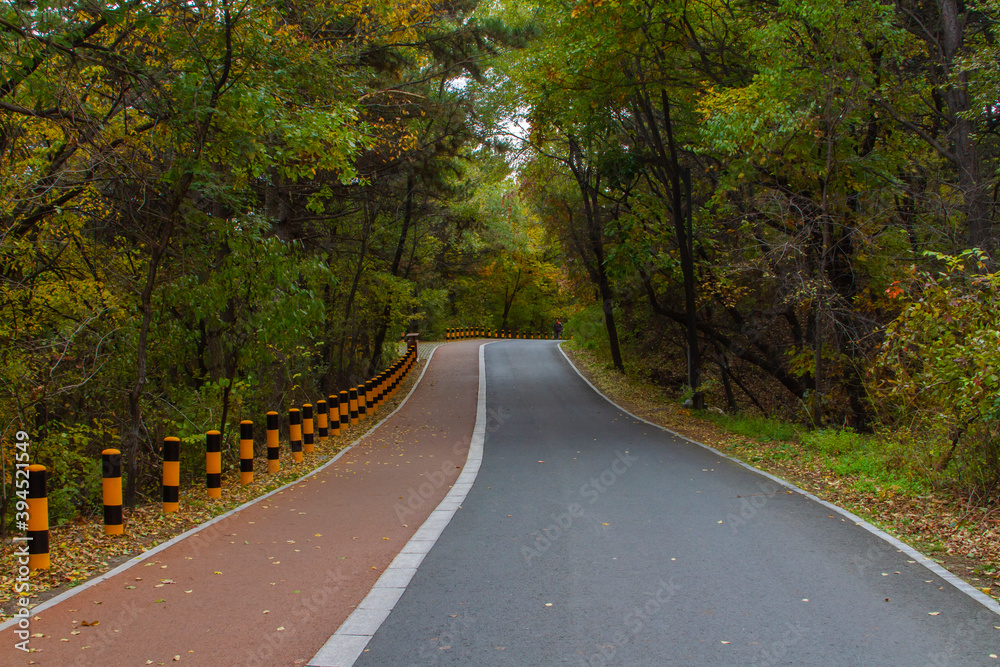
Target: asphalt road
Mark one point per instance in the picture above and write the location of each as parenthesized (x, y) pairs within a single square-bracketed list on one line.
[(591, 538)]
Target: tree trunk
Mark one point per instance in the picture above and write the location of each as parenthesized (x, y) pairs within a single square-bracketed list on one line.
[(383, 329), (133, 433), (974, 191)]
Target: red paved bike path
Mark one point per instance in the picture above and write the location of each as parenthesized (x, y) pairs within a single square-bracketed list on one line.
[(269, 584)]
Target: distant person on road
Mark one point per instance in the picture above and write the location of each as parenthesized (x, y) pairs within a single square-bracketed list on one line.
[(557, 329)]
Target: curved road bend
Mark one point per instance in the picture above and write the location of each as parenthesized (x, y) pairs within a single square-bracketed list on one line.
[(591, 538), (270, 583)]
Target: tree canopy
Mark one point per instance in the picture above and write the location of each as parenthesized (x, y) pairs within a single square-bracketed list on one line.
[(209, 209)]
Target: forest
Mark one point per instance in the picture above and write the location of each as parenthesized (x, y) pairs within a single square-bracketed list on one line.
[(215, 208)]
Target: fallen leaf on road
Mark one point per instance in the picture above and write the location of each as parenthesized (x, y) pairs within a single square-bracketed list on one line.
[(90, 623), (727, 642), (933, 613), (158, 601), (281, 628)]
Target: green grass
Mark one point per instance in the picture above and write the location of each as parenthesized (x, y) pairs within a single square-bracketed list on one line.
[(760, 429), (871, 463)]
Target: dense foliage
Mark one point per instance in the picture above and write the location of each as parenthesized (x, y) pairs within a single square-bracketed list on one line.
[(748, 188), (211, 209)]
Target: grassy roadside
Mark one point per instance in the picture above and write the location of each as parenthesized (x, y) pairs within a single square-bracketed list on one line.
[(80, 550), (963, 537)]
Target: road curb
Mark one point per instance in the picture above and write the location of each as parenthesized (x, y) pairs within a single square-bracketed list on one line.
[(347, 644)]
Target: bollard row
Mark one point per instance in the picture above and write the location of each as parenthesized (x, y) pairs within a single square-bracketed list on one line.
[(462, 333), (333, 417)]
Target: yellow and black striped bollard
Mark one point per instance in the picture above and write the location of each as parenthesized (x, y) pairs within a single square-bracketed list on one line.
[(377, 389), (370, 396), (345, 411), (273, 445), (213, 464), (111, 482), (323, 420), (171, 474), (38, 519), (334, 414), (362, 404), (353, 398), (308, 437), (246, 452), (295, 434)]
